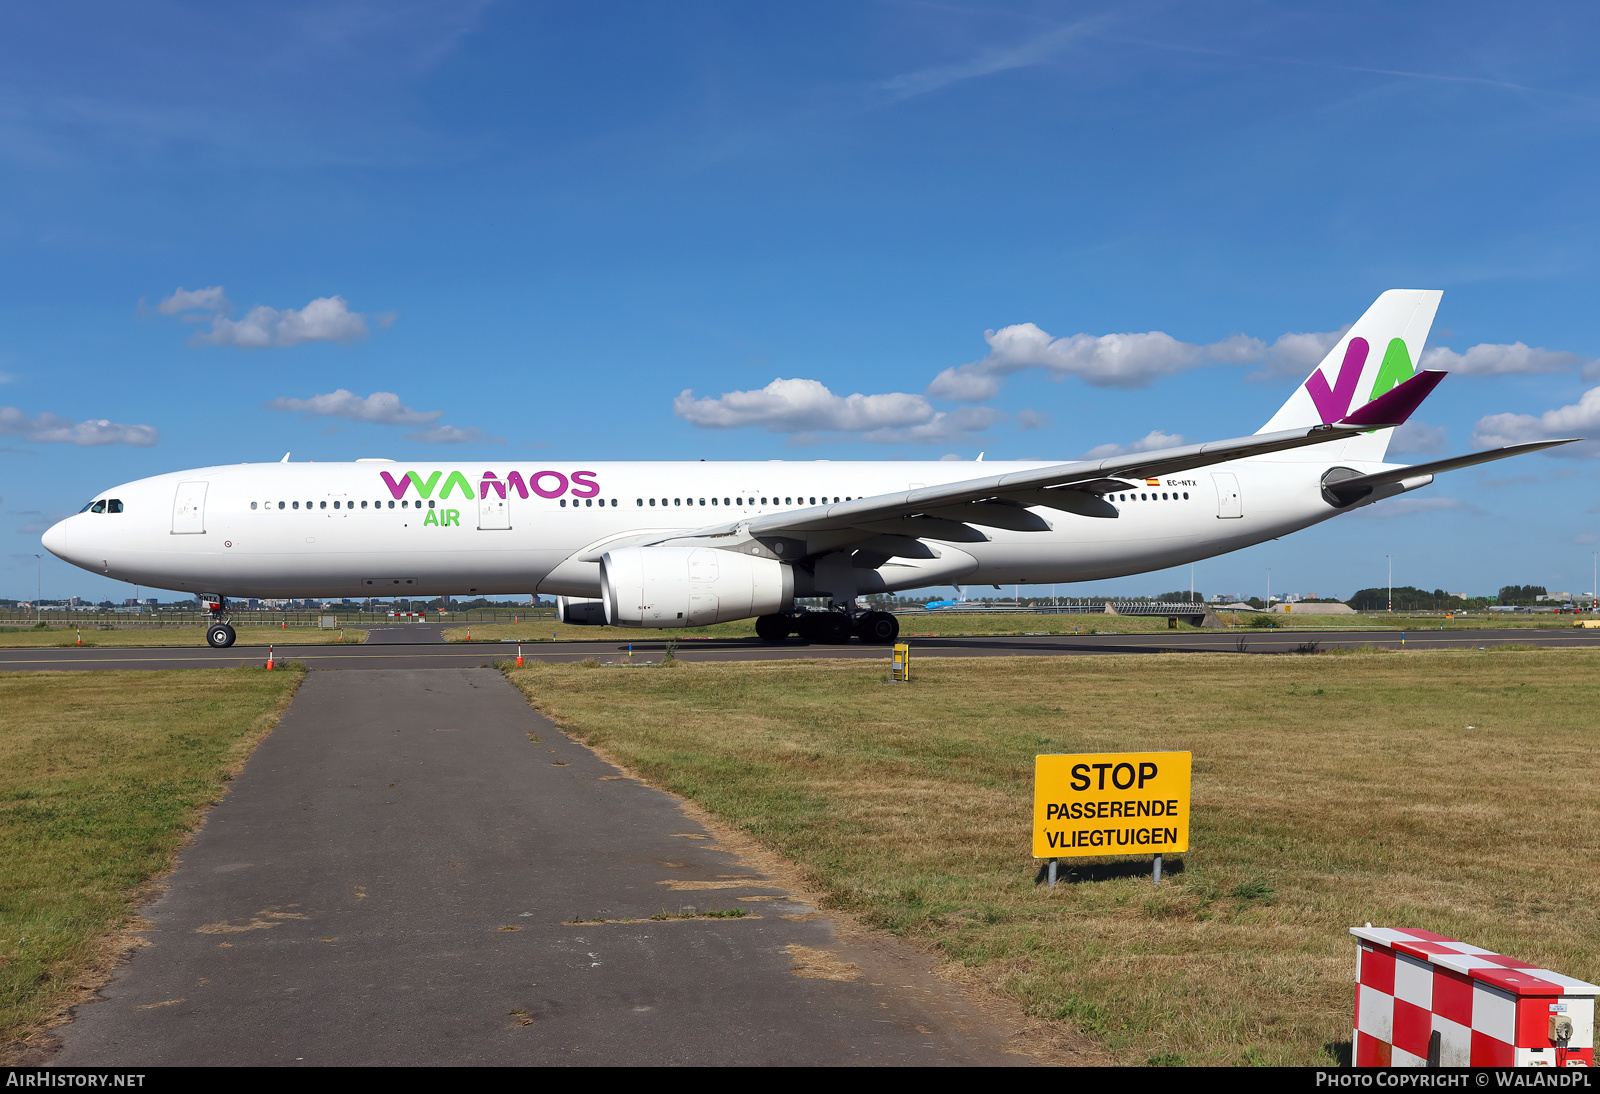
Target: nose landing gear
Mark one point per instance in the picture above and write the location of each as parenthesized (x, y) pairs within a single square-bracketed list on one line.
[(219, 635)]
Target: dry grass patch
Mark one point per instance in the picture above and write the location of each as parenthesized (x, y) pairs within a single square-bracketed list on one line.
[(102, 777), (1446, 790), (930, 624), (21, 638)]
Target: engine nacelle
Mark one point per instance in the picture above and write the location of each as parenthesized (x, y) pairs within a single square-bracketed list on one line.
[(580, 612), (690, 586)]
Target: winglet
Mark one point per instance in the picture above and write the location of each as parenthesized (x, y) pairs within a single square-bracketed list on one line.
[(1394, 406)]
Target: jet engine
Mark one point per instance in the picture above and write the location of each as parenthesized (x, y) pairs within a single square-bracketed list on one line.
[(580, 612), (690, 586)]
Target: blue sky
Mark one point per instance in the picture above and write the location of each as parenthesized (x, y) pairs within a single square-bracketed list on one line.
[(538, 226)]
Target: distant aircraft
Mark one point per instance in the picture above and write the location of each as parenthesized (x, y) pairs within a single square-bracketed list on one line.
[(662, 545)]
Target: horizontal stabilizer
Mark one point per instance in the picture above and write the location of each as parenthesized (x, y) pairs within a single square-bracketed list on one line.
[(1397, 404), (1356, 487)]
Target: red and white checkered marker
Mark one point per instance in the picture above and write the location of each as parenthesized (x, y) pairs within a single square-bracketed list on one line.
[(1487, 1010)]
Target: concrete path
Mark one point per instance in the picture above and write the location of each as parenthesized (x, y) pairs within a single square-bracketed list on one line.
[(415, 649), (394, 880)]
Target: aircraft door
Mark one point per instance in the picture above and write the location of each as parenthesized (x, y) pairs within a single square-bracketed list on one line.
[(189, 509), (1230, 503), (494, 512)]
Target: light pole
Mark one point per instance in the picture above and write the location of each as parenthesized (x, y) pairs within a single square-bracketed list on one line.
[(38, 595), (1391, 583)]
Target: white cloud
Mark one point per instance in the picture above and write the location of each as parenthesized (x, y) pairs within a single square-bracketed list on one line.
[(326, 319), (1293, 356), (1580, 419), (449, 434), (212, 299), (1418, 439), (47, 428), (1516, 359), (1407, 507), (1032, 419), (1148, 443), (1120, 360), (807, 409), (383, 407)]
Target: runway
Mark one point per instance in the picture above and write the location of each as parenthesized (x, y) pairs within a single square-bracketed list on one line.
[(417, 647)]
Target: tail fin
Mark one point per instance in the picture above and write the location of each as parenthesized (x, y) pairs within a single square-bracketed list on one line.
[(1380, 351)]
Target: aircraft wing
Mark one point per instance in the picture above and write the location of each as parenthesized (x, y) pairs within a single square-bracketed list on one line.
[(948, 512)]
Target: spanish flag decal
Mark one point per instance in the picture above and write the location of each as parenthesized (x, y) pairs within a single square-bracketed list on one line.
[(1152, 482)]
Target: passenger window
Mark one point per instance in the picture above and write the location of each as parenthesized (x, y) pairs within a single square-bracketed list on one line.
[(652, 501), (639, 502), (588, 503), (98, 507), (363, 505), (391, 505), (297, 505), (1186, 495), (280, 505), (563, 503), (677, 501), (713, 501), (788, 501), (252, 505), (320, 505)]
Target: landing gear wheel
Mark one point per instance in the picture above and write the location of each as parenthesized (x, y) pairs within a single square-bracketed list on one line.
[(877, 628), (773, 628), (219, 636), (826, 628)]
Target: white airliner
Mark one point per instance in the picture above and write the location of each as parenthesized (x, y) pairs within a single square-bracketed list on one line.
[(687, 544)]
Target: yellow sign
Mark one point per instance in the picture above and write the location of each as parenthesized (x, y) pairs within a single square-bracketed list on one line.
[(902, 661), (1111, 803)]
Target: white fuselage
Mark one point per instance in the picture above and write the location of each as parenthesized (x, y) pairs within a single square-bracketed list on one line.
[(367, 529)]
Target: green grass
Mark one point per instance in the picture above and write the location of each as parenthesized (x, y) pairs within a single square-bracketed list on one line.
[(1448, 790), (102, 777)]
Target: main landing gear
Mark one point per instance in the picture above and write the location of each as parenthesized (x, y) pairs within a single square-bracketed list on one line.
[(219, 635), (830, 628)]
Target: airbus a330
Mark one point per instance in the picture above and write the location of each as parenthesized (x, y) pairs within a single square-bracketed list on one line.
[(663, 545)]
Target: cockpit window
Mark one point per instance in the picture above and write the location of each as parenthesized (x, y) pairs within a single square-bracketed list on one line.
[(98, 507), (114, 505), (85, 508)]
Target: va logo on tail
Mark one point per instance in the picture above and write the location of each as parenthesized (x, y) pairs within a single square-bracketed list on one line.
[(1333, 403)]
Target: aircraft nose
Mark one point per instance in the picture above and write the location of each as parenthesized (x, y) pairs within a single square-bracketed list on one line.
[(55, 539)]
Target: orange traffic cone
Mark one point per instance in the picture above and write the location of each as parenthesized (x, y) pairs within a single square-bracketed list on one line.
[(269, 658), (519, 655)]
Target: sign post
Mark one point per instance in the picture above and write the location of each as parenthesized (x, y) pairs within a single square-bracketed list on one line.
[(902, 662), (1110, 803)]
